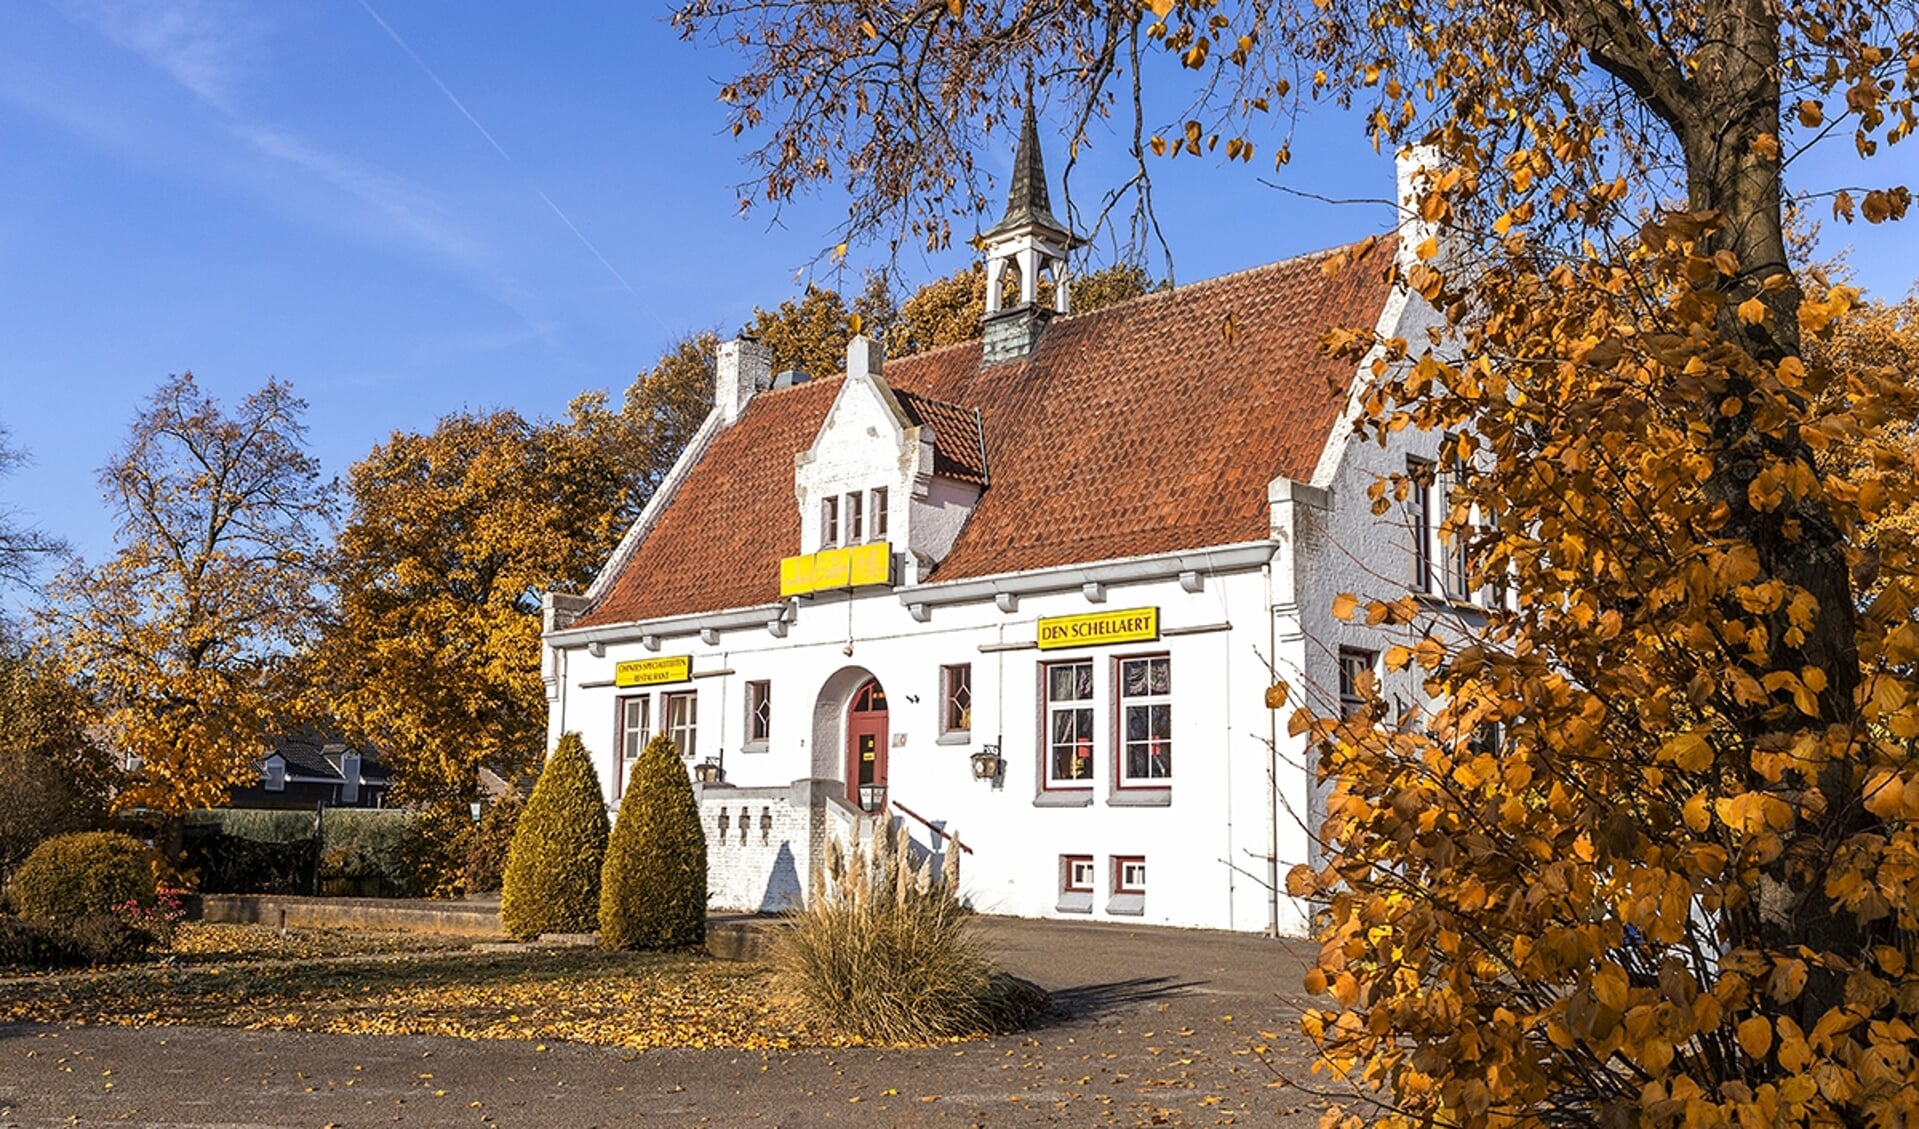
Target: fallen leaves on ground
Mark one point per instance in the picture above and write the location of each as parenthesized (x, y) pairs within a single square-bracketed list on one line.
[(636, 1000)]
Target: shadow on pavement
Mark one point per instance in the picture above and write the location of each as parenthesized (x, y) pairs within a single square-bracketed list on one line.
[(1087, 1001)]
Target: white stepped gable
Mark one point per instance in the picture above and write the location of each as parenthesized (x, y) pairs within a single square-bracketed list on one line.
[(869, 453)]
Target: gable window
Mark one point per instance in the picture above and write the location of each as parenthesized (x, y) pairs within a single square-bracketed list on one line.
[(635, 719), (1146, 721), (830, 521), (956, 699), (759, 712), (855, 519), (682, 716), (1354, 665), (1419, 514), (274, 777), (879, 513), (1068, 710)]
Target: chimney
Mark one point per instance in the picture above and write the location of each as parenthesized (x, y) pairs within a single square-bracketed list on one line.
[(350, 775), (1416, 166), (864, 357), (741, 368)]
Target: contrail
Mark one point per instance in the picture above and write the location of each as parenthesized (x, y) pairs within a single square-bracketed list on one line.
[(508, 157)]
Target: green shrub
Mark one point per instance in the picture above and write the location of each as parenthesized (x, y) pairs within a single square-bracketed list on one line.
[(85, 873), (552, 881), (653, 888), (68, 942), (492, 839), (884, 951)]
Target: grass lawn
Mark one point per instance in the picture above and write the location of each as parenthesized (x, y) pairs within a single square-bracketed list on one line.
[(354, 982)]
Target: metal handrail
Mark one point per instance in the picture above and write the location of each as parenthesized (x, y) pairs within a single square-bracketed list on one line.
[(904, 810)]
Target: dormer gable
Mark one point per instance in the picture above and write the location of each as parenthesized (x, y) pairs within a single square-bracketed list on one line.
[(886, 467)]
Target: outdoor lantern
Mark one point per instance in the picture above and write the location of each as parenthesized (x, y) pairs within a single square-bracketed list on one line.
[(709, 772), (987, 763)]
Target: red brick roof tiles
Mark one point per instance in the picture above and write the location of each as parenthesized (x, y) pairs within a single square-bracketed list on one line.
[(1142, 428)]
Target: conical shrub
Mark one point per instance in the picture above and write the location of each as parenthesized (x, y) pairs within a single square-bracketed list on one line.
[(552, 882), (653, 890)]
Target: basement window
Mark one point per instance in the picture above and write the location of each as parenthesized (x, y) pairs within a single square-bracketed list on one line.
[(1076, 876)]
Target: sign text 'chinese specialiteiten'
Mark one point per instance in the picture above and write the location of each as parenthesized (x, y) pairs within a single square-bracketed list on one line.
[(653, 672)]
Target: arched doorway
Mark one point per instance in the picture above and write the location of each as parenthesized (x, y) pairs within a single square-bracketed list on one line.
[(866, 741)]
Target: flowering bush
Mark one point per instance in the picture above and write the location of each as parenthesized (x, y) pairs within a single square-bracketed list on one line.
[(161, 920)]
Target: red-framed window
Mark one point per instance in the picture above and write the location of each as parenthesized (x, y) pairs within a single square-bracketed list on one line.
[(956, 698), (1076, 874), (680, 715), (1144, 686), (1068, 713), (632, 724), (1129, 874)]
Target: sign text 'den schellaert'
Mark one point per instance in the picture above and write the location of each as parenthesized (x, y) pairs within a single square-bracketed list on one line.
[(1130, 625)]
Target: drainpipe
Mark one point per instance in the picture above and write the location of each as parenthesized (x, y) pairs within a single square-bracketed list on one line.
[(1272, 765)]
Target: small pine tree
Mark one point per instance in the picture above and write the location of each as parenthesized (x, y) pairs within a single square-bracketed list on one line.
[(653, 890), (552, 882)]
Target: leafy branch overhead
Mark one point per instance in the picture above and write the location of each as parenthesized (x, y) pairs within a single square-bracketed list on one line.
[(1646, 856)]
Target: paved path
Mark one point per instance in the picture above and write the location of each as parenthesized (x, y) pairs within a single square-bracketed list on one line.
[(1150, 1027)]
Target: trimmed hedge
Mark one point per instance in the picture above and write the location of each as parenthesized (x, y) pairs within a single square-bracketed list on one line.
[(653, 887), (365, 852), (487, 851), (552, 881), (89, 872)]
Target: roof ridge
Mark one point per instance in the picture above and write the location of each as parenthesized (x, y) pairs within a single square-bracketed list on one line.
[(1189, 288)]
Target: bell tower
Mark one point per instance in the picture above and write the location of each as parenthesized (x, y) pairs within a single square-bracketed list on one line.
[(1030, 242)]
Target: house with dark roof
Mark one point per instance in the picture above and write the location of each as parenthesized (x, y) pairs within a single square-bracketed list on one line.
[(311, 769), (1022, 596)]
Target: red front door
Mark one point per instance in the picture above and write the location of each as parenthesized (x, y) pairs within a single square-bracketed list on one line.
[(866, 747)]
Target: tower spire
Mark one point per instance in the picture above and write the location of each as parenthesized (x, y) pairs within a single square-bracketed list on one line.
[(1028, 204), (1028, 241)]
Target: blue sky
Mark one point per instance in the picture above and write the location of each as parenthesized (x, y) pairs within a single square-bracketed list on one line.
[(407, 207)]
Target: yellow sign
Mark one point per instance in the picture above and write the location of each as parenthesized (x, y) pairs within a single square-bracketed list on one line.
[(653, 672), (1132, 625), (832, 569)]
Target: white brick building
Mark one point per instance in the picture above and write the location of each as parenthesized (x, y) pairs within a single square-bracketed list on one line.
[(1029, 591)]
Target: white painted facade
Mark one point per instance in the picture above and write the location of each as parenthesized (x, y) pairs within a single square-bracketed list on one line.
[(1216, 836)]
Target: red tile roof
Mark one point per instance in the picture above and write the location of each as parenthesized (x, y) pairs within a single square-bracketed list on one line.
[(1142, 428), (959, 447)]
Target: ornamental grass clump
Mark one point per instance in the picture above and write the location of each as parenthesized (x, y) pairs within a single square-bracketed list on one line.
[(653, 888), (552, 881), (885, 952)]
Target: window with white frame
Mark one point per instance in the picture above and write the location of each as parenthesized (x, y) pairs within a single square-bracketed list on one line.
[(635, 722), (855, 518), (956, 699), (1145, 721), (830, 521), (879, 513), (1129, 874), (682, 717), (1420, 517), (759, 711), (1069, 721), (274, 779), (1457, 564), (1355, 668), (1076, 874)]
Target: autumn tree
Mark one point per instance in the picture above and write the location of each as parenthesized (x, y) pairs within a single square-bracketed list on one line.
[(58, 777), (23, 548), (433, 645), (183, 636), (1648, 859)]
